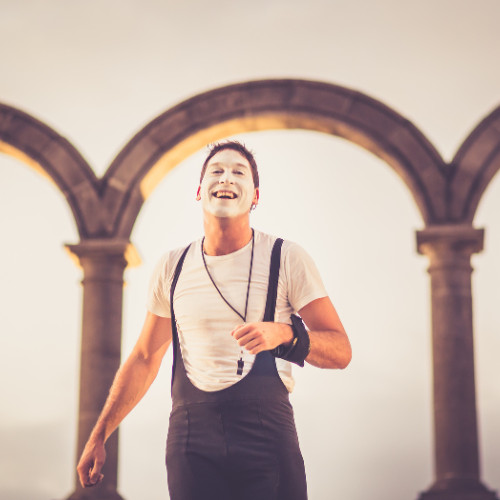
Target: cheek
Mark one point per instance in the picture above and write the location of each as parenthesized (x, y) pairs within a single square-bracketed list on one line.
[(248, 190), (203, 190)]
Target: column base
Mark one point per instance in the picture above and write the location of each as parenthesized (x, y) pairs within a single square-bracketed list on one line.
[(458, 490)]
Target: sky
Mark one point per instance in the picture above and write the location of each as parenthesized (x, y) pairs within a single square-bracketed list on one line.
[(97, 71)]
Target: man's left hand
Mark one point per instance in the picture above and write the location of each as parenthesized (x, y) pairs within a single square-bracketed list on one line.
[(262, 336)]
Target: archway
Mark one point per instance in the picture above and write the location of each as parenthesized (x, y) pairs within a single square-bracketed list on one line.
[(265, 105), (446, 195)]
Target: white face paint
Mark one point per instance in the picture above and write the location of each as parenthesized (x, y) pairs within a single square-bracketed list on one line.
[(227, 188)]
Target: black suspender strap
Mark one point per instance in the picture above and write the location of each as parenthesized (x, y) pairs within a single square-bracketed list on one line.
[(272, 290), (176, 278), (274, 273), (175, 339)]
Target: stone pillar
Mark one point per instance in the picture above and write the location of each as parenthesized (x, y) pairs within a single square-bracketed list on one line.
[(103, 262), (456, 453)]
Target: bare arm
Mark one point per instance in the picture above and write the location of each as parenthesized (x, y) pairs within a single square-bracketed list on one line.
[(131, 382), (330, 347)]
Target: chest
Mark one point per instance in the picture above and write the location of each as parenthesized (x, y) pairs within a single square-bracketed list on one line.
[(198, 301)]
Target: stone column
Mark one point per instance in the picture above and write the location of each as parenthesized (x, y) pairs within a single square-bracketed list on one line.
[(456, 453), (103, 262)]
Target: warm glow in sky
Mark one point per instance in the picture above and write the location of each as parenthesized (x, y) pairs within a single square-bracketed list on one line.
[(97, 71)]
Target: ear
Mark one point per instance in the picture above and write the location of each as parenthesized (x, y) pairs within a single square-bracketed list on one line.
[(255, 200), (198, 197)]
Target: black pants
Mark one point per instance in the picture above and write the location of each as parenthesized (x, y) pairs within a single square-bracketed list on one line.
[(235, 450), (238, 443)]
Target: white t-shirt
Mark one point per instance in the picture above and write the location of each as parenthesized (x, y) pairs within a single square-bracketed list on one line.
[(205, 321)]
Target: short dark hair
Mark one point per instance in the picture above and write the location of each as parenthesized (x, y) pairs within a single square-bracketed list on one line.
[(235, 146)]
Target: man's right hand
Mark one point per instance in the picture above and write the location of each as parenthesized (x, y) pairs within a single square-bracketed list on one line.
[(90, 465)]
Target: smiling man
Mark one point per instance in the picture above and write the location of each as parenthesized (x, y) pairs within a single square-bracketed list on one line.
[(232, 304)]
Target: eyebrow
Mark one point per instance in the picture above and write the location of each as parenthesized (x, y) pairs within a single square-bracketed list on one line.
[(218, 164)]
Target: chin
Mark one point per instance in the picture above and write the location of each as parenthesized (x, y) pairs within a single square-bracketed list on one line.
[(224, 214)]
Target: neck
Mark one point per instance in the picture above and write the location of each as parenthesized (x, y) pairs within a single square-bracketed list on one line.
[(226, 235)]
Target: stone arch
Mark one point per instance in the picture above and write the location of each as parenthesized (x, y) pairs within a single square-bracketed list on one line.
[(474, 166), (50, 154), (266, 105), (447, 196)]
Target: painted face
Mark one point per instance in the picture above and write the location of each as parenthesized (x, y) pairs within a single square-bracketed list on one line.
[(227, 188)]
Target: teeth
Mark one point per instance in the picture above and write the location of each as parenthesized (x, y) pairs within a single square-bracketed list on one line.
[(224, 194)]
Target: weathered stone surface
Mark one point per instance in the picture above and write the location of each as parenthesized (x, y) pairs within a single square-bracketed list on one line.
[(456, 457), (297, 104), (103, 263), (45, 150), (474, 166)]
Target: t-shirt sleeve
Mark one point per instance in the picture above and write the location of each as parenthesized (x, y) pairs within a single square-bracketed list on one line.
[(304, 283), (158, 300)]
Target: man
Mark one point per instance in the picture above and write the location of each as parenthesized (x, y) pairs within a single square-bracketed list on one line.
[(227, 302)]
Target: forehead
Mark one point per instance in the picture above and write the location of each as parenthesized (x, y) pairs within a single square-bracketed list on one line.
[(229, 157)]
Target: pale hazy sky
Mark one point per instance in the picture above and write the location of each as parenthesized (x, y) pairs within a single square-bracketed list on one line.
[(99, 70)]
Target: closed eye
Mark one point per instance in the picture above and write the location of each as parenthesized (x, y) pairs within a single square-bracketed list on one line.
[(241, 171)]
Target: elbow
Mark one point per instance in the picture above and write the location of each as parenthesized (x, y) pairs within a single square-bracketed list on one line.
[(337, 360), (348, 355), (344, 356), (345, 360), (331, 351)]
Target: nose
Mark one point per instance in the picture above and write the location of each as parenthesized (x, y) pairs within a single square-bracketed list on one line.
[(225, 177)]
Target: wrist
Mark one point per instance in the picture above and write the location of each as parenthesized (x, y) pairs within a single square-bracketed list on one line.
[(287, 335), (297, 349), (98, 436)]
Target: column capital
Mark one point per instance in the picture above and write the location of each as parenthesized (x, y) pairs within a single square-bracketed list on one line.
[(461, 239), (104, 248)]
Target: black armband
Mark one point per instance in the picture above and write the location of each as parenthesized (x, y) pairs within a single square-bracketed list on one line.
[(299, 349)]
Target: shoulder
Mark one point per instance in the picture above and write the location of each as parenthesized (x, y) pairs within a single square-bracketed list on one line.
[(301, 276), (290, 250), (166, 265), (293, 248), (264, 239), (294, 254)]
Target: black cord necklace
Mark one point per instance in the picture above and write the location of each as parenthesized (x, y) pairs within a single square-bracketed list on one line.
[(241, 363)]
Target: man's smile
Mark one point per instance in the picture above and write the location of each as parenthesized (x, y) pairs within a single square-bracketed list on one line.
[(227, 189), (224, 194)]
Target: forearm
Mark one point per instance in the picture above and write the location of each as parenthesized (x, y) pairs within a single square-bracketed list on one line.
[(131, 382), (329, 344), (329, 349)]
